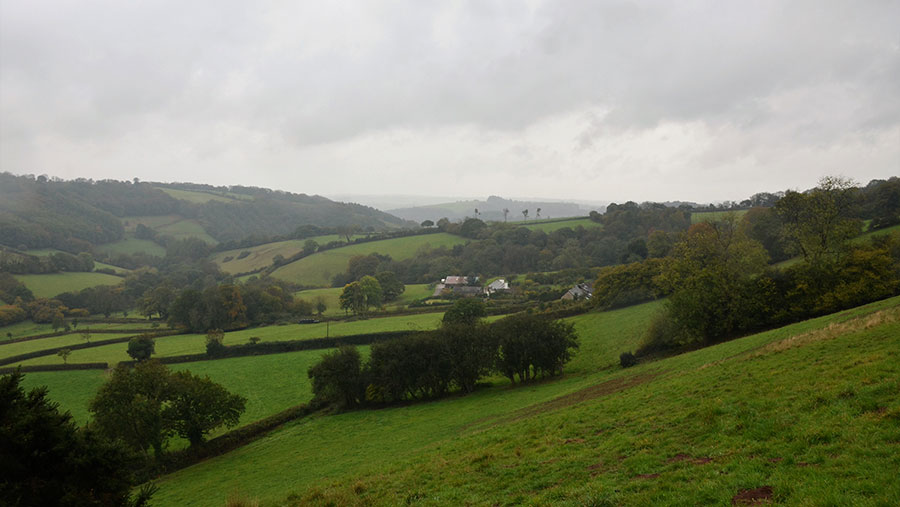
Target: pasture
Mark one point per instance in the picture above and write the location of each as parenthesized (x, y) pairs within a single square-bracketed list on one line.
[(197, 197), (715, 216), (171, 225), (49, 285), (177, 345), (807, 412), (555, 224), (332, 296), (131, 245), (318, 269), (261, 256)]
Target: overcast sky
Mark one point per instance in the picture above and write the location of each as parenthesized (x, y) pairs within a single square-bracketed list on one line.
[(587, 100)]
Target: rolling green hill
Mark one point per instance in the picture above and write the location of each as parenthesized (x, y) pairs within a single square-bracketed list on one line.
[(319, 268), (809, 413)]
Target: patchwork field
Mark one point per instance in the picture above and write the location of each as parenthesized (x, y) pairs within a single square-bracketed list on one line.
[(49, 285), (809, 413), (261, 255), (318, 269)]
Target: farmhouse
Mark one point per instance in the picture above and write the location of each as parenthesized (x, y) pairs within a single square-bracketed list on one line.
[(579, 291), (498, 285)]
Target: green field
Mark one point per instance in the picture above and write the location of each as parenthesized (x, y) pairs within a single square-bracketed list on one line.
[(813, 414), (554, 224), (196, 343), (261, 255), (29, 328), (318, 269), (283, 384), (332, 296), (131, 245), (97, 265), (713, 216), (49, 285), (171, 225), (14, 349), (197, 197)]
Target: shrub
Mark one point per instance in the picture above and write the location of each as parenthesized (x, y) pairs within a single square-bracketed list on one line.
[(627, 360), (214, 339), (140, 348)]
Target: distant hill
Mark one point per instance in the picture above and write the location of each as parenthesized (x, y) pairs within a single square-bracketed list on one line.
[(74, 215), (492, 209)]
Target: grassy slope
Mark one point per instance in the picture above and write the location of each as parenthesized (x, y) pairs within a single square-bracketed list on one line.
[(332, 297), (262, 255), (818, 422), (49, 285), (319, 268)]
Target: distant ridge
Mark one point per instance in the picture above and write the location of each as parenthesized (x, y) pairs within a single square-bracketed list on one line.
[(492, 209)]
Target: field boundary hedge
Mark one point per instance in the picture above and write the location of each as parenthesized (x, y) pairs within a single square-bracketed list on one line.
[(234, 439), (55, 367), (279, 347), (92, 331)]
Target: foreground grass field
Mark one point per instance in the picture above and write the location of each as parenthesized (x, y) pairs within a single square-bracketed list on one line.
[(807, 414), (318, 269), (49, 285)]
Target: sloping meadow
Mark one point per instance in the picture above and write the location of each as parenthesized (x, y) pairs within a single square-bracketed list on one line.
[(817, 422)]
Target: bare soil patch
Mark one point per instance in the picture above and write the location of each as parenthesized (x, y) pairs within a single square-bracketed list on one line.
[(753, 496)]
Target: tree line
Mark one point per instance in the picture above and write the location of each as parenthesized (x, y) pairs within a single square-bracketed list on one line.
[(457, 356)]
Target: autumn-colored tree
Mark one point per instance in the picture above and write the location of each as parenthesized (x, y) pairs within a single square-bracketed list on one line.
[(711, 276)]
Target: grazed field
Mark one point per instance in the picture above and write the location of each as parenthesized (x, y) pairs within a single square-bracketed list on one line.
[(332, 297), (553, 224), (131, 245), (712, 216), (813, 424), (49, 285), (318, 269), (196, 343)]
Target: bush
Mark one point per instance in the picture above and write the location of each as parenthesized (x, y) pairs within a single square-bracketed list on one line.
[(140, 348), (627, 360), (214, 342)]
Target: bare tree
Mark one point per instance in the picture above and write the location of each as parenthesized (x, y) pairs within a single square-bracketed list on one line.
[(505, 213)]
